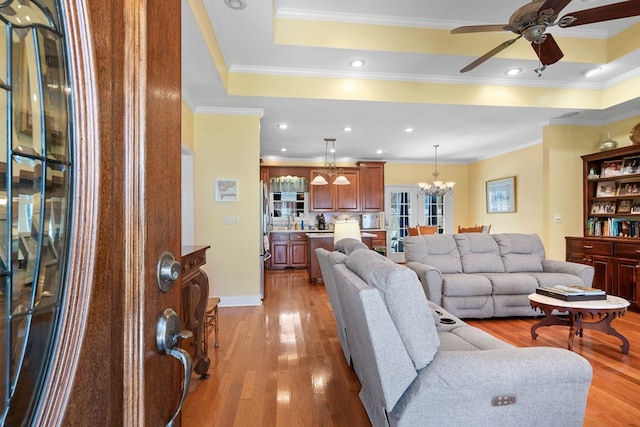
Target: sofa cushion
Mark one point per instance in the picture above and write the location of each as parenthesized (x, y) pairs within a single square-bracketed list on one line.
[(520, 252), (512, 283), (405, 300), (479, 253), (437, 250), (554, 279), (462, 285)]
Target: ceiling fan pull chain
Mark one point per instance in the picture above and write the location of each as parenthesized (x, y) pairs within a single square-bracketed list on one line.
[(541, 67)]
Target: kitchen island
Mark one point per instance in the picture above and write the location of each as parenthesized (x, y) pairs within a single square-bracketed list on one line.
[(325, 240)]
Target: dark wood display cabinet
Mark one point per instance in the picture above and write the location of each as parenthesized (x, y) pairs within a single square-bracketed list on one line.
[(611, 222)]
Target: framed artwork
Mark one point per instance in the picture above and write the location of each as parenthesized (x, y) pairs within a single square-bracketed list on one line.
[(635, 209), (604, 207), (501, 195), (629, 189), (624, 206), (611, 168), (630, 165), (226, 190), (606, 189)]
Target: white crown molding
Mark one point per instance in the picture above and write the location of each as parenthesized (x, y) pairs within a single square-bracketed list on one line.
[(401, 21), (232, 111), (309, 72)]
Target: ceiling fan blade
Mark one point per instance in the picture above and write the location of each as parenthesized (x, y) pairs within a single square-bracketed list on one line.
[(623, 9), (548, 51), (555, 5), (480, 29), (489, 54)]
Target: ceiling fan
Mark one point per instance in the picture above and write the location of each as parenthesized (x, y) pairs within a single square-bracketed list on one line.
[(532, 20)]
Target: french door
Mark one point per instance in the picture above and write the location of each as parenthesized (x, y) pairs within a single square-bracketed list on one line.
[(406, 207)]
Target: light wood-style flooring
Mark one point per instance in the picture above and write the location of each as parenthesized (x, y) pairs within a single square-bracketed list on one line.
[(281, 364)]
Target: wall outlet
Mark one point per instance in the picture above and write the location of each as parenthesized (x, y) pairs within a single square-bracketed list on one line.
[(557, 217)]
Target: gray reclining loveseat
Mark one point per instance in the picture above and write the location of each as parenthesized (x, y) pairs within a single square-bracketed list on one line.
[(421, 366)]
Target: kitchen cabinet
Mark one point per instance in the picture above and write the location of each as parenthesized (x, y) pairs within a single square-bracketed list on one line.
[(371, 186), (378, 241), (289, 250), (616, 265), (337, 198), (325, 241)]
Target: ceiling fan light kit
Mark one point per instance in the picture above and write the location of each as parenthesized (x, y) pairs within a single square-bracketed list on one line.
[(532, 20)]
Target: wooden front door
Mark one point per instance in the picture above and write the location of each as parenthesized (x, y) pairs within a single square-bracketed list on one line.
[(127, 82)]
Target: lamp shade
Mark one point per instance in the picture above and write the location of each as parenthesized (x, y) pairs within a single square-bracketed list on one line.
[(319, 180), (341, 180), (346, 229)]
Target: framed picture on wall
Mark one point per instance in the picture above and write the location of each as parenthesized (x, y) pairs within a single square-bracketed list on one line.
[(226, 190), (501, 195)]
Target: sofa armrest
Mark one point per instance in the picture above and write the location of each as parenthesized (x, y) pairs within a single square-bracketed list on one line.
[(469, 380), (431, 279), (583, 271)]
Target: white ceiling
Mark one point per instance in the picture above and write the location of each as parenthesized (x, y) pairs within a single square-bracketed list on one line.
[(465, 133)]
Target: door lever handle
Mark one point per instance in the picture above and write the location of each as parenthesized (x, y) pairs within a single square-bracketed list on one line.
[(168, 335)]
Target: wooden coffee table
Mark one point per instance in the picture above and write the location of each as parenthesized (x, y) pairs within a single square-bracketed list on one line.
[(596, 315)]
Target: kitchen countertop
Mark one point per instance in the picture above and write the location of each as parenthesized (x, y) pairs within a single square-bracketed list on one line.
[(325, 234), (330, 232)]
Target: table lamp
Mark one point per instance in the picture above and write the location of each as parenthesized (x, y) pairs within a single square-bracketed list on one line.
[(346, 229)]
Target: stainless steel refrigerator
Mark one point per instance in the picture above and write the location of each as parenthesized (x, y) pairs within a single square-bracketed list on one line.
[(265, 219)]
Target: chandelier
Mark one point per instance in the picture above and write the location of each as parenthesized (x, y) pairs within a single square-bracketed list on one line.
[(330, 168), (437, 187)]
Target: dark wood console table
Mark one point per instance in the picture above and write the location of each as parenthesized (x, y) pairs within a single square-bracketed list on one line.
[(195, 295)]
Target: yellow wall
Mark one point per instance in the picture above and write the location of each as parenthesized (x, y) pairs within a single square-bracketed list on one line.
[(527, 168), (187, 126), (228, 147)]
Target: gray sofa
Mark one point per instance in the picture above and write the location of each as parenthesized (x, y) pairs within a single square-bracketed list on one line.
[(416, 370), (475, 275)]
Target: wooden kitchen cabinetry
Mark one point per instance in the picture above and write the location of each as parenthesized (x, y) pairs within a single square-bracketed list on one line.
[(340, 198), (371, 186), (379, 242), (289, 250), (611, 222)]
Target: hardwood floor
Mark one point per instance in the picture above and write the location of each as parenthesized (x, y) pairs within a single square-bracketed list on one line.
[(281, 364)]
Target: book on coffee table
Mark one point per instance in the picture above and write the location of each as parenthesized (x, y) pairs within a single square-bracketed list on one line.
[(572, 293)]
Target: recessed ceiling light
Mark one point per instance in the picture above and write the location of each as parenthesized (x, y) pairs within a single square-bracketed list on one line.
[(356, 63), (347, 128), (283, 149), (282, 125), (513, 71), (378, 151), (236, 4), (408, 130), (592, 71)]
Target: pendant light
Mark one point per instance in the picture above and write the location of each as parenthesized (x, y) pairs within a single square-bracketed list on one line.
[(330, 168), (438, 187)]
